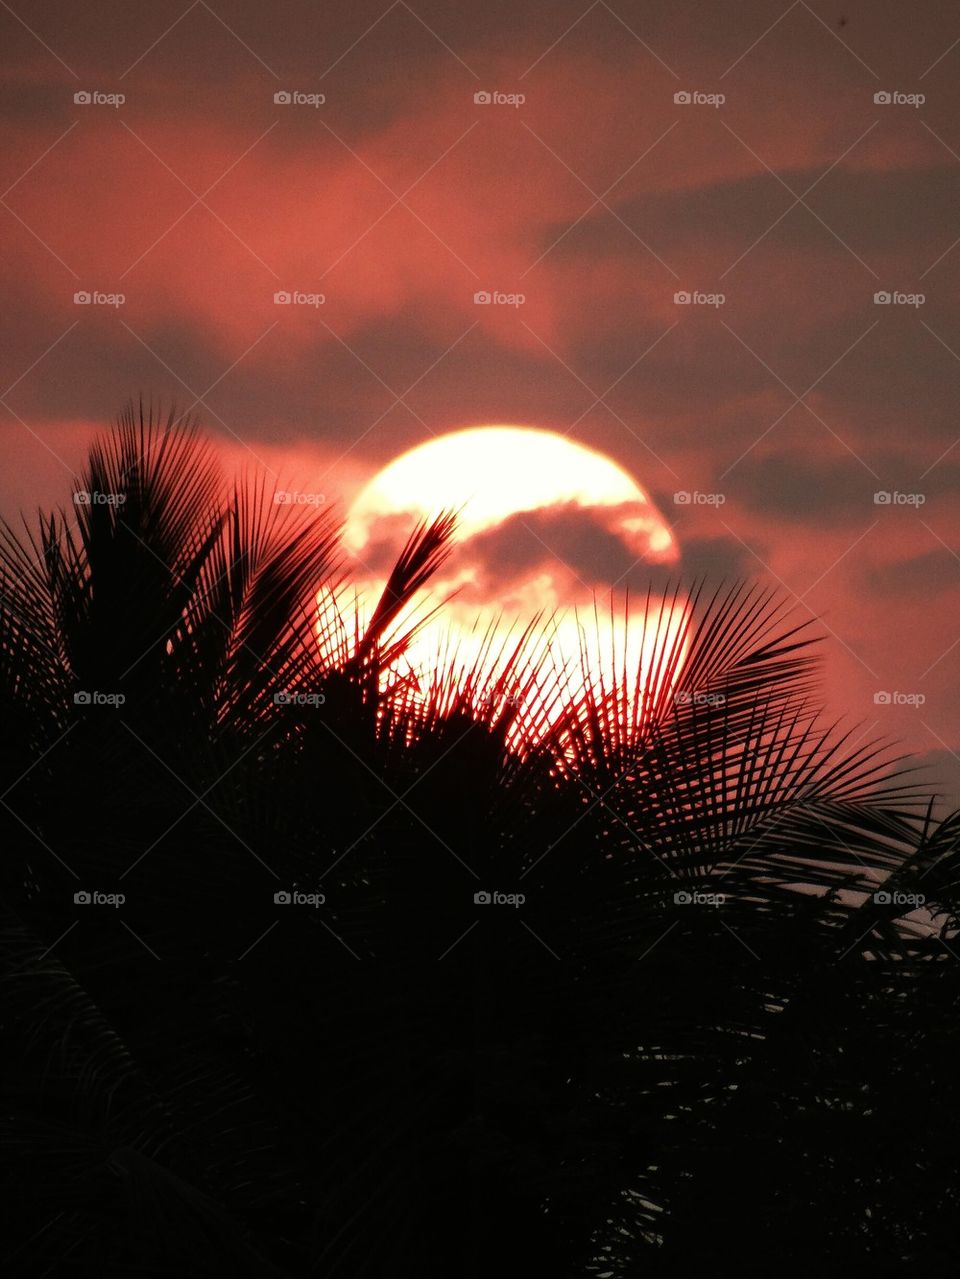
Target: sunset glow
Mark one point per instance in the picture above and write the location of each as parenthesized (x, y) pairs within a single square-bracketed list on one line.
[(528, 500)]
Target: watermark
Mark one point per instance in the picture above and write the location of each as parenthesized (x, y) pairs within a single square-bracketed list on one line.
[(288, 497), (295, 898), (94, 698), (488, 704), (94, 98), (896, 498), (294, 297), (496, 298), (694, 98), (84, 497), (696, 898), (894, 98), (696, 298), (895, 298), (683, 697), (696, 498), (498, 899), (294, 98), (884, 698), (494, 98), (96, 898), (883, 898), (298, 699), (85, 297)]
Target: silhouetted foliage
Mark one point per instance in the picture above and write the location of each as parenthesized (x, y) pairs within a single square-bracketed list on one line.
[(618, 1077)]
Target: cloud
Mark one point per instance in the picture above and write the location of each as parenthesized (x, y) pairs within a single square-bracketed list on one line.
[(582, 549), (717, 559), (805, 487), (928, 575)]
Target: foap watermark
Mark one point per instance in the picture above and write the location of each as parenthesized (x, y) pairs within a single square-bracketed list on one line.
[(298, 699), (293, 497), (494, 98), (96, 898), (688, 697), (684, 297), (495, 298), (885, 497), (489, 704), (894, 98), (683, 497), (484, 898), (896, 898), (296, 98), (93, 297), (688, 897), (895, 298), (95, 98), (96, 698), (293, 897), (294, 297), (885, 698), (87, 497), (694, 98)]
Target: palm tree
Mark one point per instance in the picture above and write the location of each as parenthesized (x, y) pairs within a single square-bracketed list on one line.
[(698, 1023)]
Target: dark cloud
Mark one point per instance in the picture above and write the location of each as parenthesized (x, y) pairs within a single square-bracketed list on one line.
[(718, 559), (939, 772), (586, 545), (811, 488), (934, 573)]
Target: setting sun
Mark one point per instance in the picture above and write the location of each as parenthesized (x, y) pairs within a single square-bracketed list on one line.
[(545, 527)]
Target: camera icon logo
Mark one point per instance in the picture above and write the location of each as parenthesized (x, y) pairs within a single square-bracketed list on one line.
[(482, 98), (282, 298), (882, 298), (482, 298), (81, 899), (882, 898), (882, 699), (282, 898), (883, 498), (682, 498), (282, 98), (682, 98), (82, 298), (82, 99), (82, 699), (481, 899), (682, 298), (682, 899), (882, 98)]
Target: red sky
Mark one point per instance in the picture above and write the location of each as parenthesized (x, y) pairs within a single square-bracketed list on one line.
[(598, 199)]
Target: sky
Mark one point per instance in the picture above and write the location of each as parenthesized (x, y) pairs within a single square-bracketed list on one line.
[(778, 164)]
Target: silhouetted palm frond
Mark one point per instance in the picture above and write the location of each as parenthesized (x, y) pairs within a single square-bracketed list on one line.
[(507, 965)]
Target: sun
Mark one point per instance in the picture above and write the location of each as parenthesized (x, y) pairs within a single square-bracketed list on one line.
[(547, 527)]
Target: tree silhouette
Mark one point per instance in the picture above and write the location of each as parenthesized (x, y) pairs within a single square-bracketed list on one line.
[(700, 1038)]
